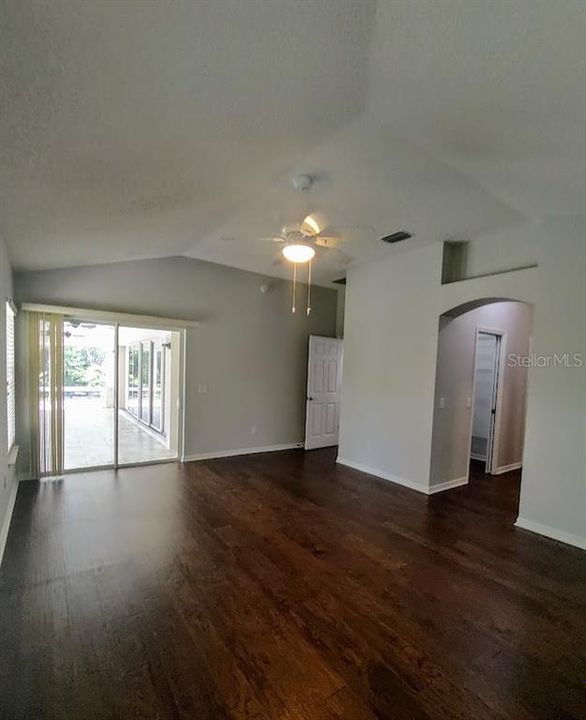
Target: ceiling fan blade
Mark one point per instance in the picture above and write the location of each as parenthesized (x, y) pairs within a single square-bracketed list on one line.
[(310, 226), (328, 241)]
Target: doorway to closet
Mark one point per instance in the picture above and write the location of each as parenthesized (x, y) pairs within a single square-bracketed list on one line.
[(485, 394), (480, 392)]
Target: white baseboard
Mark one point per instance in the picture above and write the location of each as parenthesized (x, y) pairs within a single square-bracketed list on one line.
[(432, 490), (567, 538), (7, 518), (508, 468), (241, 451), (380, 474), (448, 485)]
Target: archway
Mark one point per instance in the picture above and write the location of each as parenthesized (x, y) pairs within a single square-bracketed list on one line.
[(509, 322)]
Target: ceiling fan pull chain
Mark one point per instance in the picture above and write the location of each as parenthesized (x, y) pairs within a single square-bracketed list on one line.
[(294, 283), (309, 288)]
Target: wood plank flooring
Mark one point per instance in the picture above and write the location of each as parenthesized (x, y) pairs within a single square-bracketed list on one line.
[(284, 587)]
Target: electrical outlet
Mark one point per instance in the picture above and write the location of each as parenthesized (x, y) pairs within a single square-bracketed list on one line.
[(442, 403)]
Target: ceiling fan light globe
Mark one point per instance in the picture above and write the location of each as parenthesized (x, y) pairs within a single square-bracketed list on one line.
[(298, 253)]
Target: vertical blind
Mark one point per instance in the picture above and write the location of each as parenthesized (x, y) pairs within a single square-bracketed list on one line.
[(10, 393), (45, 390)]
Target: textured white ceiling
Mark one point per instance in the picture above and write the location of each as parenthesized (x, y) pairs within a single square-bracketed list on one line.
[(130, 129), (133, 130), (376, 183), (497, 88)]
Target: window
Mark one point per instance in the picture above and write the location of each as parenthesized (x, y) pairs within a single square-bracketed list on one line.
[(133, 381), (145, 383), (10, 394)]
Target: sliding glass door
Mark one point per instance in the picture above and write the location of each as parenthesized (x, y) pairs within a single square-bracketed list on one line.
[(101, 395), (147, 417), (145, 368), (93, 437), (88, 394)]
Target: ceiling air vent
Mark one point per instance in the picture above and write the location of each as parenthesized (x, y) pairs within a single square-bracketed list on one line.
[(396, 237)]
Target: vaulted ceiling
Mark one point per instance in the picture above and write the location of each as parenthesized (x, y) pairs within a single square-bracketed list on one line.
[(133, 130)]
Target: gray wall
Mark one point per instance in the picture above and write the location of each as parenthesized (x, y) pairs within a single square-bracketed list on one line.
[(250, 350), (390, 336), (455, 383), (6, 478)]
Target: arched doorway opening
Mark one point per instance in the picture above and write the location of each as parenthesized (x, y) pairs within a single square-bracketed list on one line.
[(483, 354)]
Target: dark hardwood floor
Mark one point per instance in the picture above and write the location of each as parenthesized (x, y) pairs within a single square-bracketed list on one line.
[(284, 586)]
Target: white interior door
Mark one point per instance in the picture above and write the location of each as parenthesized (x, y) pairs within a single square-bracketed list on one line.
[(324, 377)]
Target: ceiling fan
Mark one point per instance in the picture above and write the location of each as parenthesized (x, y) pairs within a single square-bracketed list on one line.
[(301, 240)]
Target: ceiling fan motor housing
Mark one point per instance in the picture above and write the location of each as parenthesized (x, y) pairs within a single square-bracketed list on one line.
[(294, 234), (302, 182)]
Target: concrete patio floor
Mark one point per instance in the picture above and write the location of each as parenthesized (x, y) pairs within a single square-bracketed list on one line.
[(89, 436)]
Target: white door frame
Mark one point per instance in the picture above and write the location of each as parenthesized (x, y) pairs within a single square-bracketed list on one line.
[(493, 439)]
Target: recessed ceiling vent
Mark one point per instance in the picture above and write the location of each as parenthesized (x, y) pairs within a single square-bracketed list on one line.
[(396, 237)]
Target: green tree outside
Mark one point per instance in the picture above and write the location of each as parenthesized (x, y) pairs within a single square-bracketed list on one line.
[(84, 366)]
